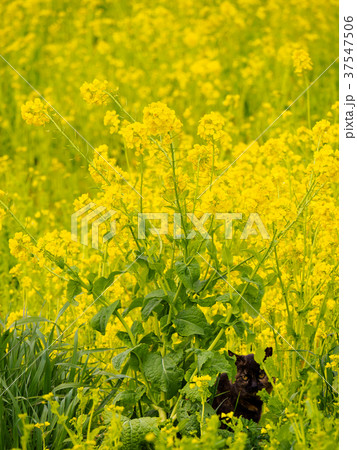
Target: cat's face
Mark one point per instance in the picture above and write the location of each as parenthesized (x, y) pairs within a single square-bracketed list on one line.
[(250, 378)]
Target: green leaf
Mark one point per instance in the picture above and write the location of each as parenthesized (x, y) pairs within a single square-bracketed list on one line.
[(163, 373), (252, 297), (102, 284), (134, 432), (149, 307), (129, 398), (191, 393), (137, 328), (158, 293), (73, 289), (259, 355), (137, 303), (239, 327), (124, 337), (213, 363), (119, 359), (225, 298), (91, 277), (190, 321), (188, 273), (206, 302), (150, 338), (233, 299), (100, 320)]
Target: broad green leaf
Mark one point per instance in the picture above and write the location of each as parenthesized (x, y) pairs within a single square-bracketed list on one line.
[(137, 303), (206, 302), (198, 285), (188, 273), (158, 293), (163, 373), (137, 328), (213, 363), (190, 321), (150, 338), (239, 327), (129, 398), (100, 320), (102, 284), (73, 289), (259, 355), (135, 431), (124, 337), (119, 359), (225, 298), (233, 299), (149, 307)]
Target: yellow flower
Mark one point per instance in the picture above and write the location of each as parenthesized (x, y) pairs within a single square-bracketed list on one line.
[(302, 62), (201, 381), (150, 437), (94, 93), (21, 246), (160, 119), (211, 126), (34, 112), (136, 136), (227, 415), (232, 100), (48, 396), (111, 119)]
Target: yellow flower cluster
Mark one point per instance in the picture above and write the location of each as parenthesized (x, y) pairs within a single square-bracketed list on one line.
[(136, 136), (95, 92), (160, 119), (21, 246), (34, 112), (210, 127), (112, 120), (200, 381), (302, 62), (334, 362)]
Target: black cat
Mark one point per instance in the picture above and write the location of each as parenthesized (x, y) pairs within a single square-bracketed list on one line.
[(241, 395)]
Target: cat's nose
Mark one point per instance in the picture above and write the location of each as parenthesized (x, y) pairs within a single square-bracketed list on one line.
[(254, 384)]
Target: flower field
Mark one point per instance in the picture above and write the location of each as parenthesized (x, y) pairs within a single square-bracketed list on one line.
[(168, 193)]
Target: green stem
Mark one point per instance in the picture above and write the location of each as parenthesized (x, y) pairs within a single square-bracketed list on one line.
[(175, 187), (126, 326)]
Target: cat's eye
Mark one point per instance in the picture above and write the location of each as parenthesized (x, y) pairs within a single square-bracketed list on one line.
[(245, 377), (261, 375)]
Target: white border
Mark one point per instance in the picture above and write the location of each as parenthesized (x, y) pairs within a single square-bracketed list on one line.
[(348, 250)]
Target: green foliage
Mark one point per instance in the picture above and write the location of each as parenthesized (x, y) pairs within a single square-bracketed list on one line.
[(188, 273), (135, 430), (163, 373), (191, 321), (32, 365), (100, 320)]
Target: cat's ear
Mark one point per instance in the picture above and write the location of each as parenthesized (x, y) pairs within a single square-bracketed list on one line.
[(268, 352), (239, 358)]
